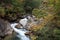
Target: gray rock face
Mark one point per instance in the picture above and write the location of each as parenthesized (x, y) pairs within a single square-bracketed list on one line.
[(5, 28)]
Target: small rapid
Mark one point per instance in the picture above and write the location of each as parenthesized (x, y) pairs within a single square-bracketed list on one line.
[(25, 24), (21, 32)]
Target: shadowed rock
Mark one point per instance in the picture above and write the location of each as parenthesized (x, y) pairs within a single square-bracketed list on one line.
[(5, 29)]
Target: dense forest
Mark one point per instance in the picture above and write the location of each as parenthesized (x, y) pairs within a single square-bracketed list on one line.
[(48, 10)]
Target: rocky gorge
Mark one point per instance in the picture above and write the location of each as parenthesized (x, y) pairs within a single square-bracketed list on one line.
[(8, 32)]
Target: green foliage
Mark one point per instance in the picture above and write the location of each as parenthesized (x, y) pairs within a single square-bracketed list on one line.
[(57, 31), (38, 13), (17, 3), (12, 8), (2, 11), (32, 3), (49, 33), (57, 5)]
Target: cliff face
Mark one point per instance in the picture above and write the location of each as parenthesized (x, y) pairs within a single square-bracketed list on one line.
[(5, 29)]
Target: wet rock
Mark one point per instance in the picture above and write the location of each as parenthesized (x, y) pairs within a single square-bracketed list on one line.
[(28, 33), (5, 28), (19, 26)]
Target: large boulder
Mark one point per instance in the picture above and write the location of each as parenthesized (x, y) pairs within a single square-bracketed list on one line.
[(5, 29)]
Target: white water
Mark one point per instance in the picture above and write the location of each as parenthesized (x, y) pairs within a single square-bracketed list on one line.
[(21, 32)]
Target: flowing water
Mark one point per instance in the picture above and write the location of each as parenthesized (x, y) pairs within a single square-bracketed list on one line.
[(21, 32)]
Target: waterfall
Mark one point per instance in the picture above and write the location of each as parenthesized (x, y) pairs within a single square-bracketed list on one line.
[(21, 32)]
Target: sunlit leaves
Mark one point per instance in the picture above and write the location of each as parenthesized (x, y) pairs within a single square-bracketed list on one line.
[(33, 37), (39, 13), (57, 31), (57, 5)]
